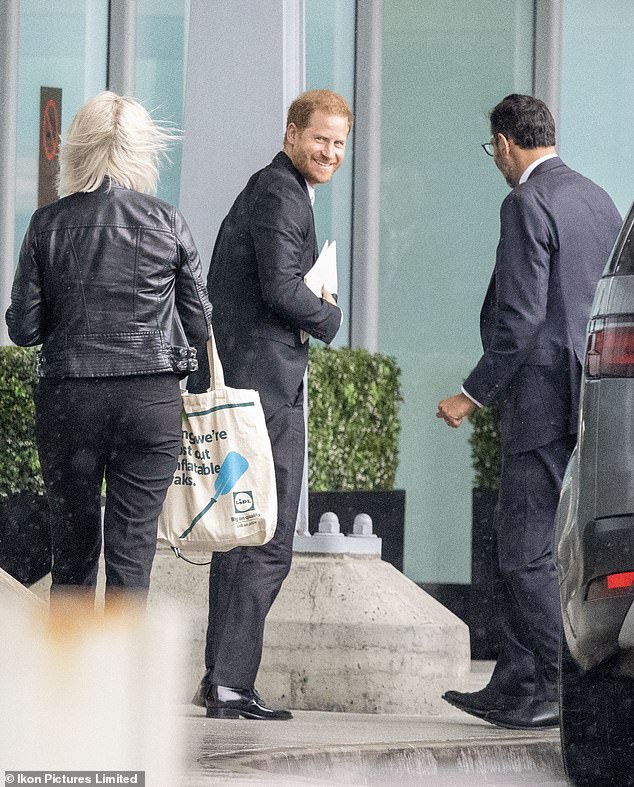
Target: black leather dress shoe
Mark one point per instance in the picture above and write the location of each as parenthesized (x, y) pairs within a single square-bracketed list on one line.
[(200, 697), (224, 702), (481, 703), (537, 714)]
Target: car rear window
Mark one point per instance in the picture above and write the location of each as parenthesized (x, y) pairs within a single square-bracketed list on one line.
[(622, 261)]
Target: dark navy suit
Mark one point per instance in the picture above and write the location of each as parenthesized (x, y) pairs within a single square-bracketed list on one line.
[(265, 246), (556, 232)]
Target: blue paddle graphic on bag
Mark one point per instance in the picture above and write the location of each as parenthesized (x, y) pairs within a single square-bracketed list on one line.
[(232, 469)]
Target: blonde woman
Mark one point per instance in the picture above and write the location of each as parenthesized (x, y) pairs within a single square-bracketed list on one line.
[(109, 283)]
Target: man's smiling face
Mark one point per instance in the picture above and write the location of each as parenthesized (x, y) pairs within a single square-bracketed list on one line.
[(318, 150)]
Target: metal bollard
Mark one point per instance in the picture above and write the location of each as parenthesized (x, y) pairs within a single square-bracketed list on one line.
[(362, 526), (330, 539), (329, 523)]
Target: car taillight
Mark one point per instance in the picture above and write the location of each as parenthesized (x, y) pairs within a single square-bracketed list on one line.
[(611, 585), (610, 350)]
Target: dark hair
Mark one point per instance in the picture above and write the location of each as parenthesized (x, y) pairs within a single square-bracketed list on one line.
[(524, 119)]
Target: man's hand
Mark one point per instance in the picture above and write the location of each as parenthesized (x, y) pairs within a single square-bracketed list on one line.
[(327, 296), (454, 409)]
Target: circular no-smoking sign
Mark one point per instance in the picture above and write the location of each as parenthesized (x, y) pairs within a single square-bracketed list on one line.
[(50, 129)]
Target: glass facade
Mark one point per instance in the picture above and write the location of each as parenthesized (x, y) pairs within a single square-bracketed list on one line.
[(63, 46), (444, 66), (161, 55), (57, 46), (330, 47), (597, 111)]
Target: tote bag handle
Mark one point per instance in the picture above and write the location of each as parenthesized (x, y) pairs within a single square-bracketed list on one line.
[(216, 372)]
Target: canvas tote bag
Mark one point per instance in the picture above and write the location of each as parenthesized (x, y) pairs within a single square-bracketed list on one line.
[(223, 494)]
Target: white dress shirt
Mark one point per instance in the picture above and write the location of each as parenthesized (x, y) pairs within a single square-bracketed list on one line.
[(536, 163), (311, 196)]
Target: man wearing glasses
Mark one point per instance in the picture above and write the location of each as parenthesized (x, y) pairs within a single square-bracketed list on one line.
[(557, 229)]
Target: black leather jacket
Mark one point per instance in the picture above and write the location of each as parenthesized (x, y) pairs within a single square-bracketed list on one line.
[(110, 283)]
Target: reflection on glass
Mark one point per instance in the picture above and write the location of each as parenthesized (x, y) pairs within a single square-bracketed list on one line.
[(160, 74), (66, 49), (330, 43), (597, 112), (444, 67)]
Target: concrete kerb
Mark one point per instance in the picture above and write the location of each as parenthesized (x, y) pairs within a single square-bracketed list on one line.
[(402, 763), (384, 750)]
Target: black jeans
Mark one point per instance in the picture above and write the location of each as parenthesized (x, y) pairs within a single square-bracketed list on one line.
[(126, 430)]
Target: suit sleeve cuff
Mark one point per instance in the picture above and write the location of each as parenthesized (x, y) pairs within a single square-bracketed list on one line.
[(468, 395)]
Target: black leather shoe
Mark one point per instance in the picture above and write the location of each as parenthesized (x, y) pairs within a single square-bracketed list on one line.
[(481, 703), (223, 702), (537, 714), (200, 697)]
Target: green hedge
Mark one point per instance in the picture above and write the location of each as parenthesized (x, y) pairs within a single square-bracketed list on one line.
[(19, 463), (485, 448), (353, 420)]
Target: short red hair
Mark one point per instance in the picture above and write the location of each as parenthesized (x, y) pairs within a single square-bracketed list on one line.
[(326, 101)]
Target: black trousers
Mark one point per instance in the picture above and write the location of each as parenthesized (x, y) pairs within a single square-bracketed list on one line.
[(123, 429), (526, 590), (244, 582)]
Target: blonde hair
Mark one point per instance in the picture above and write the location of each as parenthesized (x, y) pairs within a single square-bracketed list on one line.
[(112, 136)]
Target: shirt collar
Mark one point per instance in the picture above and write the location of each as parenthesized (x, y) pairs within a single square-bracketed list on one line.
[(527, 172), (311, 192)]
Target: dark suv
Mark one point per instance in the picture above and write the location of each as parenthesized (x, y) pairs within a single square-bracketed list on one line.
[(595, 543)]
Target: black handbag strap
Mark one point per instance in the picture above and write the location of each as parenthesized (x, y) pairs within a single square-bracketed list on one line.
[(177, 552)]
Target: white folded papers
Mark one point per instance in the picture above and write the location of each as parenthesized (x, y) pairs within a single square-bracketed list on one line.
[(323, 274)]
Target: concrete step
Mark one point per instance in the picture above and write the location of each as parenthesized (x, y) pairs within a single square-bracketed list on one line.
[(325, 749)]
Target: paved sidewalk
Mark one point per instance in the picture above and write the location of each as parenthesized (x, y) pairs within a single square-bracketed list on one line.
[(319, 748), (340, 748), (315, 748)]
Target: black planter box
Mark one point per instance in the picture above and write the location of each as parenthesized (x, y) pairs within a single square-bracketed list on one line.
[(482, 613), (475, 603), (25, 538), (385, 507)]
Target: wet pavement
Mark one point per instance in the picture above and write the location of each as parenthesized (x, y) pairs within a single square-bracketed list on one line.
[(363, 749), (106, 697)]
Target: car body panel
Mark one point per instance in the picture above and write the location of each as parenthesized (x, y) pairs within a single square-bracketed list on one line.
[(595, 518)]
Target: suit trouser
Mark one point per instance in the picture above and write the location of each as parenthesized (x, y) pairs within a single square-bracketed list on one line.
[(126, 429), (526, 587), (244, 582)]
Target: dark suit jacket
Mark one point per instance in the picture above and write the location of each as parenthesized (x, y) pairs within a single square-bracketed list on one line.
[(265, 247), (556, 234)]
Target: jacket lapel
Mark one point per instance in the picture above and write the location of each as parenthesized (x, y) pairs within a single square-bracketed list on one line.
[(283, 161)]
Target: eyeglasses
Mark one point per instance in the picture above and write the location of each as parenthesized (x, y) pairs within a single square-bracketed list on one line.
[(488, 148)]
